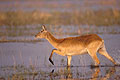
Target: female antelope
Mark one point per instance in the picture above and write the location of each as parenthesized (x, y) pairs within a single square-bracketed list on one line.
[(70, 46)]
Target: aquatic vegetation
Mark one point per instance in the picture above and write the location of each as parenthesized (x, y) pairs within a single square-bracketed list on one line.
[(23, 72)]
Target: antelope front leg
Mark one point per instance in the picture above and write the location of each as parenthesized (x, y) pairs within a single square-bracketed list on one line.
[(55, 51), (69, 60)]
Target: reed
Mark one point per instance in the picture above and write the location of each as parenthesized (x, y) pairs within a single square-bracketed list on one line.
[(90, 17)]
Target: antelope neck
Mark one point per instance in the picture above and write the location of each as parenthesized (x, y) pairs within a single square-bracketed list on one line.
[(52, 40)]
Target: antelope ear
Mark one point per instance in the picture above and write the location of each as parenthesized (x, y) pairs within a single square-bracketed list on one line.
[(43, 27)]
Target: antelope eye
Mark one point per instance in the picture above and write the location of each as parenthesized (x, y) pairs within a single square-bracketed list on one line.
[(42, 31)]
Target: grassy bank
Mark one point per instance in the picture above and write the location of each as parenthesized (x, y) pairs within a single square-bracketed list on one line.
[(90, 17)]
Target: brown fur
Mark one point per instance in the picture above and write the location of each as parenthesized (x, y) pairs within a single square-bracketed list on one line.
[(90, 44), (84, 39)]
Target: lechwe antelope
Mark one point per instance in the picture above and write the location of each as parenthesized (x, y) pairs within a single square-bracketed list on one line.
[(70, 46)]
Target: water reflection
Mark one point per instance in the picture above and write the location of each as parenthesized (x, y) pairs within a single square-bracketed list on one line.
[(95, 74), (109, 73), (60, 72)]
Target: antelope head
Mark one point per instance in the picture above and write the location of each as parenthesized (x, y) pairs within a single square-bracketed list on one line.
[(42, 33)]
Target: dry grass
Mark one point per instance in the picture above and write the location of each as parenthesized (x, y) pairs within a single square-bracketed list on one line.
[(90, 17)]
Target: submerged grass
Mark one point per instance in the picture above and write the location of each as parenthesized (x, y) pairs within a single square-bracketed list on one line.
[(32, 30), (22, 72)]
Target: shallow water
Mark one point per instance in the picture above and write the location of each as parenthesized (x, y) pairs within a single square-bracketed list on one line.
[(23, 55)]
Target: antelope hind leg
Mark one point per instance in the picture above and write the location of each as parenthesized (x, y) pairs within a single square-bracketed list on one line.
[(103, 52), (94, 57)]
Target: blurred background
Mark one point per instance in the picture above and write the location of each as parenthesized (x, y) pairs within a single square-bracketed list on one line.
[(24, 58), (25, 17)]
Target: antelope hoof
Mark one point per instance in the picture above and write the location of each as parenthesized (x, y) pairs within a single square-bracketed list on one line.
[(94, 66), (117, 64), (51, 61)]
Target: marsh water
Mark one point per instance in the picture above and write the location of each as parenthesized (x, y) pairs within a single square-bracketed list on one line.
[(28, 58)]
